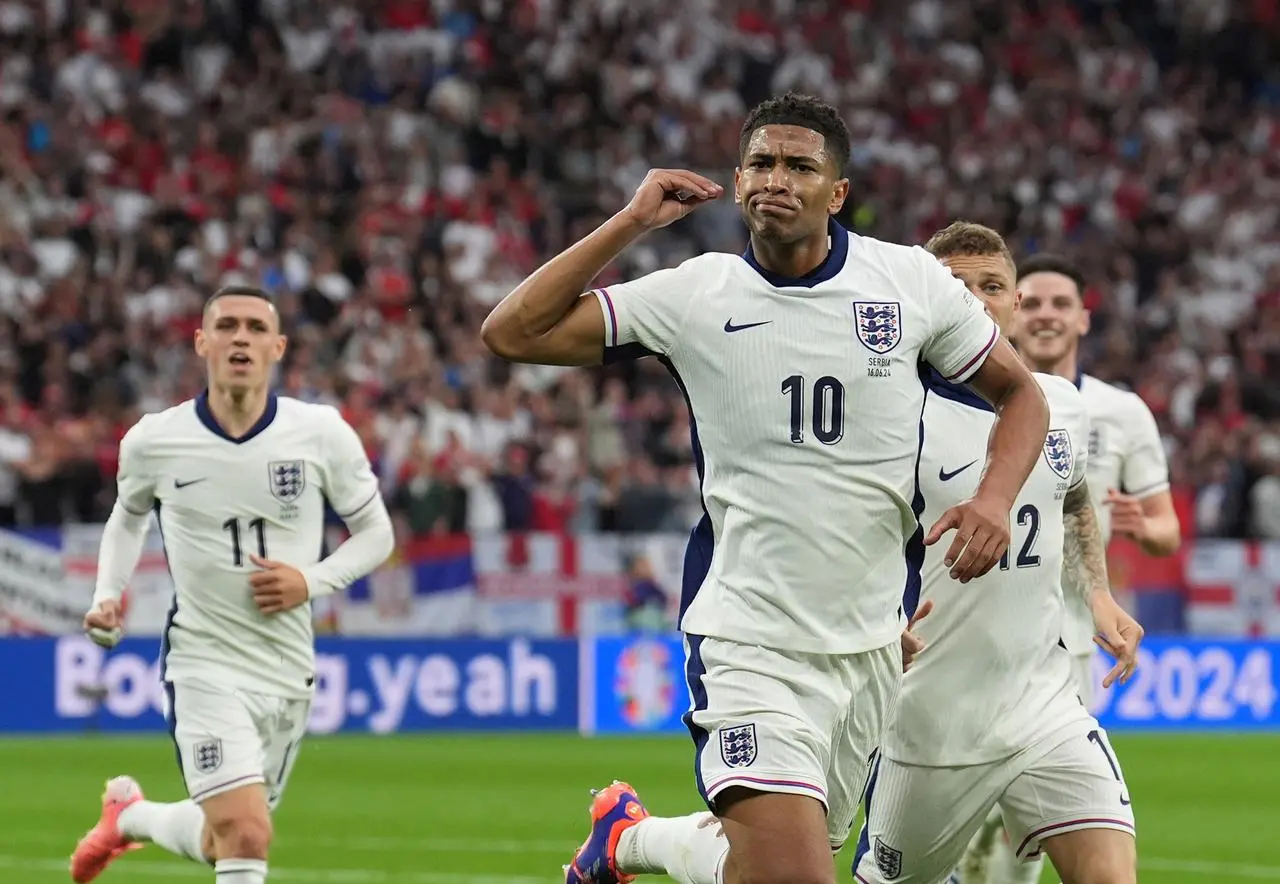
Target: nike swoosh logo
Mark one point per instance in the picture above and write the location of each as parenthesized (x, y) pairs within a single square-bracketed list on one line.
[(177, 484), (944, 476), (1124, 800), (730, 328)]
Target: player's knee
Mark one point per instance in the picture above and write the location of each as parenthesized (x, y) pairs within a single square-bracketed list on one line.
[(247, 837), (208, 844)]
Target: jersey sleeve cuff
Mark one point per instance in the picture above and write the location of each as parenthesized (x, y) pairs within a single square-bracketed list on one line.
[(610, 317), (1148, 490), (972, 366)]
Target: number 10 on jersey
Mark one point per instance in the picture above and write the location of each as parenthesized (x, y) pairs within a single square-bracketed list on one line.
[(827, 408), (258, 527)]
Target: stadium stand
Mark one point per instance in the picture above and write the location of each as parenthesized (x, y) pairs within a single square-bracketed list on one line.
[(392, 168)]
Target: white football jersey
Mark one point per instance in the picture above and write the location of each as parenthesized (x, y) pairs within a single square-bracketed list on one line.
[(994, 676), (1125, 453), (805, 398), (219, 501)]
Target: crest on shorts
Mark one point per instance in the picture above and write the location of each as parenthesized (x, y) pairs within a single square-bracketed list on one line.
[(888, 860), (738, 745), (1057, 453), (878, 324), (207, 755), (287, 479)]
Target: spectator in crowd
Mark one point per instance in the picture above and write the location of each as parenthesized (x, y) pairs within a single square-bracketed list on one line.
[(389, 170)]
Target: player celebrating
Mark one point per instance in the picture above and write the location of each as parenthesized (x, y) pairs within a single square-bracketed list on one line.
[(1127, 468), (800, 363), (988, 715), (238, 478), (1128, 476)]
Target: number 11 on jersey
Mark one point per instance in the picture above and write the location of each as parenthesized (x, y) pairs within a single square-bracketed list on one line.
[(828, 408), (257, 526)]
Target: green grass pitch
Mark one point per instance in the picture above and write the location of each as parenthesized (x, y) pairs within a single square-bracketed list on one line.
[(510, 809)]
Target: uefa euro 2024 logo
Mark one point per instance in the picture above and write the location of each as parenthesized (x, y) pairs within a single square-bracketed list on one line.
[(643, 685)]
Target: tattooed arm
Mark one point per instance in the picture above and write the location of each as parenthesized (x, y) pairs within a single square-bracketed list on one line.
[(1084, 553), (1084, 562)]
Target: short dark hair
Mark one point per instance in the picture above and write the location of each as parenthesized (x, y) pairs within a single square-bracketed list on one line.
[(1047, 262), (240, 291), (969, 238), (795, 109)]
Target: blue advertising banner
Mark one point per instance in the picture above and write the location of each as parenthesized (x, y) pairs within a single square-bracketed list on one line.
[(637, 685), (369, 685), (1194, 684)]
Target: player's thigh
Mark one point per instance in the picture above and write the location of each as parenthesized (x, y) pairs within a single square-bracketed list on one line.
[(287, 725), (1073, 783), (1093, 856), (774, 838), (761, 719), (220, 747), (920, 819), (872, 680)]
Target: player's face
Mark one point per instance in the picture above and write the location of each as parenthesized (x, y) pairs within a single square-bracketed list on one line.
[(788, 184), (1052, 318), (991, 280), (240, 342)]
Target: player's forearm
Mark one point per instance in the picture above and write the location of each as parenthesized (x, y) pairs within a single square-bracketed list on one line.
[(1084, 552), (547, 295), (371, 542), (1022, 422), (122, 539), (1163, 535)]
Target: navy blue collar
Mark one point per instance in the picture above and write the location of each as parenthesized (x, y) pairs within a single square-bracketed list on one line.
[(961, 393), (211, 423), (830, 266), (1079, 381)]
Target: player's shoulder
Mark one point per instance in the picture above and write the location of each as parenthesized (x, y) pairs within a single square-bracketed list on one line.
[(309, 415), (1057, 388), (316, 421), (1110, 397), (868, 249), (164, 423), (1064, 399)]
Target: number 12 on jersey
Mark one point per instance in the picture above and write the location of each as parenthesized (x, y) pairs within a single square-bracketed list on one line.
[(257, 526), (828, 408)]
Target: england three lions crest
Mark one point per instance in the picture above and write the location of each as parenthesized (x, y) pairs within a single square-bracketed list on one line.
[(738, 745), (288, 478), (1058, 453), (878, 324)]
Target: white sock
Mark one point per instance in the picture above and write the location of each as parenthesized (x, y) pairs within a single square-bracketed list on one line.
[(177, 827), (675, 846), (1027, 873), (240, 871)]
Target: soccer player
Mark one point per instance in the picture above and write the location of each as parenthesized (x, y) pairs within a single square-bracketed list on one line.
[(988, 715), (1128, 477), (800, 362), (238, 479)]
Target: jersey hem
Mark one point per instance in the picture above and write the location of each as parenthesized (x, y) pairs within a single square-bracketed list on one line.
[(769, 642)]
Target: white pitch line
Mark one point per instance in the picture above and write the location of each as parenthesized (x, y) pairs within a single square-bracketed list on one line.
[(360, 844), (1209, 869), (328, 876)]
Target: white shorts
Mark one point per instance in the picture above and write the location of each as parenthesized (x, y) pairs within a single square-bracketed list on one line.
[(921, 819), (229, 738), (783, 721)]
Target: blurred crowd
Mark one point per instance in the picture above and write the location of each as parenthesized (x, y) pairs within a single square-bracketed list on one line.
[(391, 168)]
